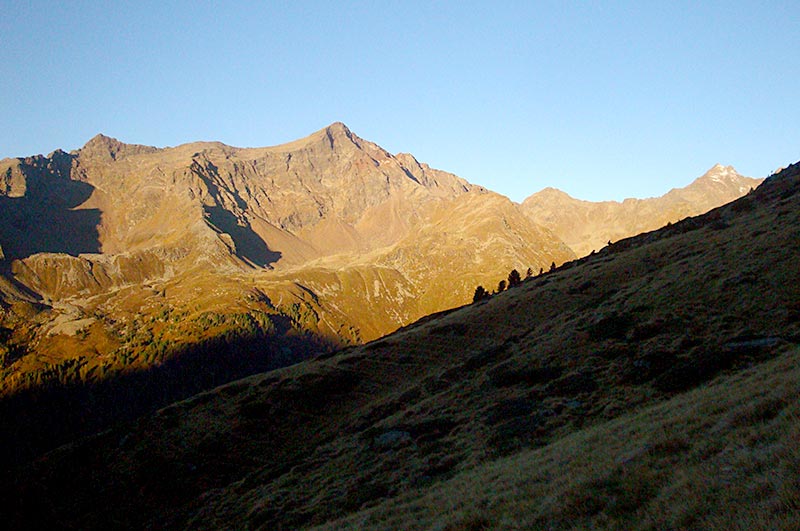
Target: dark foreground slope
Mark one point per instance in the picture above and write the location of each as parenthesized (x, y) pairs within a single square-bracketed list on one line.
[(649, 386)]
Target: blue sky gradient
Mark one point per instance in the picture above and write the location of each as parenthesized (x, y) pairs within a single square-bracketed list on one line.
[(604, 101)]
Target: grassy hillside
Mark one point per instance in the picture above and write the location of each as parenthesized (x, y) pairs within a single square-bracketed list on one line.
[(648, 386), (724, 456)]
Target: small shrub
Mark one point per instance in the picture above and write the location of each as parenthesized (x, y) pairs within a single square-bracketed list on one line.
[(612, 326)]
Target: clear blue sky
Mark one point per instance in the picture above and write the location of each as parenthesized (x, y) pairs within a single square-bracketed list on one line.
[(602, 100)]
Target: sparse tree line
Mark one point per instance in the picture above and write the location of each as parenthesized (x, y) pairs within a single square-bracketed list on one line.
[(514, 279)]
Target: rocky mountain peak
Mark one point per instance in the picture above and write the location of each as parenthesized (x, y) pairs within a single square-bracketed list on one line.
[(338, 133), (336, 137), (725, 180), (338, 129), (102, 143), (108, 148), (720, 173)]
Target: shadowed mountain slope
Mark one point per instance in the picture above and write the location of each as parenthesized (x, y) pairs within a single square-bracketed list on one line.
[(651, 385), (38, 200), (586, 226)]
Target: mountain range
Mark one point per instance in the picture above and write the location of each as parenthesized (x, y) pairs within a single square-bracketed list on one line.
[(587, 226), (119, 260), (649, 385)]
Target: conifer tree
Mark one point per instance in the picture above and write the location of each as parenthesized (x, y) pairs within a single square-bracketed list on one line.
[(480, 294), (514, 279), (501, 286)]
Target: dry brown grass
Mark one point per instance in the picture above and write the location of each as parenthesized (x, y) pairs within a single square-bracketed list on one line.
[(721, 457)]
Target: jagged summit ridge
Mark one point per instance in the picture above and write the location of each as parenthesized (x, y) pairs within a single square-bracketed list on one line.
[(335, 136), (727, 176), (331, 173)]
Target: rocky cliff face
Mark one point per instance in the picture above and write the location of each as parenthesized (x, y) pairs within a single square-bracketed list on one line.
[(586, 226)]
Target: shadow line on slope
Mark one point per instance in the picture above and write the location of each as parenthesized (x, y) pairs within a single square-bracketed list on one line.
[(45, 218), (249, 245)]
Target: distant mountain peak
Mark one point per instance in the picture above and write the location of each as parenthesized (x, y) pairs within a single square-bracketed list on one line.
[(587, 226), (719, 171), (553, 192), (721, 177), (106, 147), (338, 128), (101, 141)]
